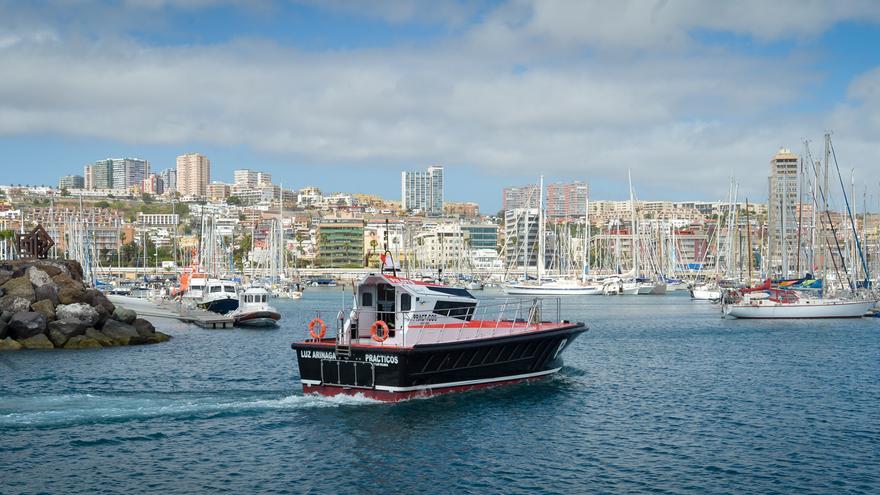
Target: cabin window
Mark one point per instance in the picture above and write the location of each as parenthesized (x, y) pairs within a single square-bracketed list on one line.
[(263, 298), (405, 302), (367, 300), (229, 288), (216, 288), (455, 309)]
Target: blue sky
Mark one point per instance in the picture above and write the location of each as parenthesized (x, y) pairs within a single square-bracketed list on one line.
[(344, 95)]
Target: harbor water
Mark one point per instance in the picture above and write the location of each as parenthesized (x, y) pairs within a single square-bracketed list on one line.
[(661, 395)]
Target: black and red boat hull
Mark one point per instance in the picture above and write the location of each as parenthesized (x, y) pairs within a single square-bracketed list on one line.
[(395, 373)]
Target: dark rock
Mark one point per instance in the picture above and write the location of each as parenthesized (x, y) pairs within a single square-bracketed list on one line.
[(70, 294), (12, 304), (67, 328), (3, 329), (82, 342), (45, 307), (57, 337), (97, 298), (47, 291), (5, 276), (38, 278), (6, 316), (20, 268), (143, 326), (124, 315), (38, 341), (102, 339), (121, 333), (25, 324), (63, 280), (161, 337), (80, 312), (51, 270), (8, 344), (20, 287)]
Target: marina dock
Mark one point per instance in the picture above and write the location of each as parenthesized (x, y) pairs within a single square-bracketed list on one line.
[(173, 310)]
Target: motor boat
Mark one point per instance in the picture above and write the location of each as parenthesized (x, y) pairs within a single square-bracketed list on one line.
[(405, 339), (219, 296), (254, 310)]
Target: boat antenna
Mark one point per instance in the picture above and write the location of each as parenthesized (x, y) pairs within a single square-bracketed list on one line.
[(387, 254)]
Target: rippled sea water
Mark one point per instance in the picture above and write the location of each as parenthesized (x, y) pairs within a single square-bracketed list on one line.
[(661, 395)]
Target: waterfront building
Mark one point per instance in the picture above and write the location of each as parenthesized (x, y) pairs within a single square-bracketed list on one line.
[(193, 174), (71, 182), (169, 180), (566, 202), (340, 243), (423, 192), (520, 197), (481, 235), (521, 238), (440, 246), (782, 211), (309, 196)]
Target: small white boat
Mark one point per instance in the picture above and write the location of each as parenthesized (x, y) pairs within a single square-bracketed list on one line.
[(706, 292), (555, 288), (652, 288), (254, 310)]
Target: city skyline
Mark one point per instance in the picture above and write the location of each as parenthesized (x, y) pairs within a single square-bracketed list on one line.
[(684, 94)]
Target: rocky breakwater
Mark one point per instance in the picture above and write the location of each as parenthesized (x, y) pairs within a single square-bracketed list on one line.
[(45, 305)]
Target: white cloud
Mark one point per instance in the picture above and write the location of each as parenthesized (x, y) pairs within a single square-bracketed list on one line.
[(506, 98)]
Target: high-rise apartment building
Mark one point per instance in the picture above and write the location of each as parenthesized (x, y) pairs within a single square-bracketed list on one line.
[(128, 172), (423, 191), (567, 201), (71, 182), (193, 174), (101, 174), (169, 180), (782, 211), (153, 184), (520, 197), (244, 178)]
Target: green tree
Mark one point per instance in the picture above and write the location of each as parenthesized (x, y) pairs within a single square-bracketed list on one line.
[(233, 200)]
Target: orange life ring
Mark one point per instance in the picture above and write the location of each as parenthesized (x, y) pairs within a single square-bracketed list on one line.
[(379, 337), (317, 321)]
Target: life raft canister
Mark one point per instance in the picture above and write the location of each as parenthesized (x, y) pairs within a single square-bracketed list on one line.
[(379, 337), (312, 324)]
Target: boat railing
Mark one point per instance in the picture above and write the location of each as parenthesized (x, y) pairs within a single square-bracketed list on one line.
[(450, 324)]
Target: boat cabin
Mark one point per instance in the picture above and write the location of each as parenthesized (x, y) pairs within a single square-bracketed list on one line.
[(403, 304)]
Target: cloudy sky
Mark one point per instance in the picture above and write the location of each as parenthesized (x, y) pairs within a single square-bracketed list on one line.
[(344, 94)]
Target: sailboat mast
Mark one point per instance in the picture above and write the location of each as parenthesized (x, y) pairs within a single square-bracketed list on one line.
[(749, 242), (800, 216), (541, 230), (635, 236)]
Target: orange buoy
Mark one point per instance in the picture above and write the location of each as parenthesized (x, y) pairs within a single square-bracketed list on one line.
[(312, 324), (379, 337)]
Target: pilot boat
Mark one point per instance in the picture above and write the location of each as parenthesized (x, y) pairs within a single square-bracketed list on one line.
[(219, 296), (254, 310), (405, 339)]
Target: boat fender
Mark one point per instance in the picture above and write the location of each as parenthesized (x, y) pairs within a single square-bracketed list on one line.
[(379, 337), (312, 324)]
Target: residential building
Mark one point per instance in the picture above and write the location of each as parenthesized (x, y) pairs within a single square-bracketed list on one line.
[(782, 211), (219, 191), (464, 210), (193, 174), (71, 182), (423, 192), (440, 246), (101, 174), (520, 197), (153, 184), (521, 238), (340, 243), (566, 201), (129, 172), (169, 180)]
